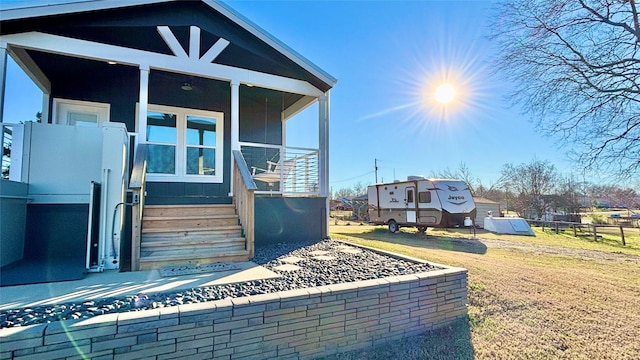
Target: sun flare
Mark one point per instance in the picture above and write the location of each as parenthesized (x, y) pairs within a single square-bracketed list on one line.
[(445, 93)]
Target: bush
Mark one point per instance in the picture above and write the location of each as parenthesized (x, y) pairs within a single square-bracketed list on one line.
[(598, 219)]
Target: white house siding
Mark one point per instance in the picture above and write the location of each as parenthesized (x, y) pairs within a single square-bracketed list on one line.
[(483, 206)]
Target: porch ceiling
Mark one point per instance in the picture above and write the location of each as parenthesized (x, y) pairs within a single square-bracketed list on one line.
[(65, 71)]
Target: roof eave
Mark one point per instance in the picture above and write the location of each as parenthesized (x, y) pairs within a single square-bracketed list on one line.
[(50, 9), (271, 40), (24, 11)]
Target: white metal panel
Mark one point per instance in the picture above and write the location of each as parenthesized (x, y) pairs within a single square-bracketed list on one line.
[(63, 161), (115, 142)]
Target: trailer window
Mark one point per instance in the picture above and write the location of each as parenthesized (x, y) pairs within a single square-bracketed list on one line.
[(424, 197)]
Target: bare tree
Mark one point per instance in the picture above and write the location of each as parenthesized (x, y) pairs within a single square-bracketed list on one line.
[(575, 66), (359, 189), (570, 193), (462, 173), (532, 184), (626, 198)]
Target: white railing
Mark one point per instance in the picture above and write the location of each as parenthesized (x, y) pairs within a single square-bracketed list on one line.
[(282, 170)]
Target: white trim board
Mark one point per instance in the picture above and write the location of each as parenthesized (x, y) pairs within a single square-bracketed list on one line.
[(103, 52)]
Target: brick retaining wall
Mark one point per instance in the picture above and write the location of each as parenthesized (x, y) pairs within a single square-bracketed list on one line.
[(300, 323)]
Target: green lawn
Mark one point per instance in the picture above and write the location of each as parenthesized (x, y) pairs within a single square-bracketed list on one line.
[(551, 296)]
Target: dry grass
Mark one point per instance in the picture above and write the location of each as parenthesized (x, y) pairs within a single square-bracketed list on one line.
[(525, 303)]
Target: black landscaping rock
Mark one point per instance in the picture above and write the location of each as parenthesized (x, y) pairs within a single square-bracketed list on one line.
[(343, 268)]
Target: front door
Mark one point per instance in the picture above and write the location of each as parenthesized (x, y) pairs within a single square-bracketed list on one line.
[(80, 113), (410, 203)]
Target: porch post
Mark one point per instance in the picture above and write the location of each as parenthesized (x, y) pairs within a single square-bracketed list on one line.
[(235, 126), (46, 100), (3, 76), (143, 103), (323, 154)]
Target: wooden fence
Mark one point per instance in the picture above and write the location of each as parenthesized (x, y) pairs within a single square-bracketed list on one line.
[(562, 225)]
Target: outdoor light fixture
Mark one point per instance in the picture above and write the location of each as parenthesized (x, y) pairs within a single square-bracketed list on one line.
[(186, 86), (111, 62)]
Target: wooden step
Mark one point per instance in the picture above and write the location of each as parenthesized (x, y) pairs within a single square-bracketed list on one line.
[(190, 230), (235, 232), (190, 234), (159, 261), (189, 242), (188, 210), (177, 224), (211, 250)]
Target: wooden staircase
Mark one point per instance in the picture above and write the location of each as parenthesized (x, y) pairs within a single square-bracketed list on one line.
[(190, 234)]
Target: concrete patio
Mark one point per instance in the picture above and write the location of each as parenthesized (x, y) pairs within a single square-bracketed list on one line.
[(121, 284)]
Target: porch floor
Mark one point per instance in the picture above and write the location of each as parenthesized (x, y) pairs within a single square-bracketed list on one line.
[(112, 283)]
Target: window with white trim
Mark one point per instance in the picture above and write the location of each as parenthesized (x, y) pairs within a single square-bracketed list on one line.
[(184, 144)]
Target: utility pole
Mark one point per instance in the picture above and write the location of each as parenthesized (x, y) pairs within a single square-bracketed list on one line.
[(375, 162)]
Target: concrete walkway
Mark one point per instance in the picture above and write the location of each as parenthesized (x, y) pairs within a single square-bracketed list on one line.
[(121, 284)]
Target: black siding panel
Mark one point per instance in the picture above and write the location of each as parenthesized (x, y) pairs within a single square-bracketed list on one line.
[(285, 219), (56, 231), (86, 80), (260, 115)]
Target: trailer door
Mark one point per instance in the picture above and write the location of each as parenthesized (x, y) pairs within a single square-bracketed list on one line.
[(410, 203)]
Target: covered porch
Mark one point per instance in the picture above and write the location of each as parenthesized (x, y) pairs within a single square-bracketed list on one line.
[(204, 108)]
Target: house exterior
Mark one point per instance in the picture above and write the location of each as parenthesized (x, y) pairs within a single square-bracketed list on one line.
[(483, 207), (162, 135)]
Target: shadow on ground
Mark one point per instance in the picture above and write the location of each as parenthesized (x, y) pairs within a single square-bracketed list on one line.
[(419, 240), (452, 342)]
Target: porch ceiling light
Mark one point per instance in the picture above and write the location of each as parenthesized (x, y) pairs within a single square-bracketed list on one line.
[(186, 86)]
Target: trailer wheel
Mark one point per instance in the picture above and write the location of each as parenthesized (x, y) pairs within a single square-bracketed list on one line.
[(422, 229), (393, 226)]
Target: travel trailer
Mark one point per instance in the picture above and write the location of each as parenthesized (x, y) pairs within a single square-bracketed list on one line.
[(421, 203)]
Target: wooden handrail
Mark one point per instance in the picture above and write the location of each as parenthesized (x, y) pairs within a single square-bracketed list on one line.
[(244, 170), (137, 184), (243, 196)]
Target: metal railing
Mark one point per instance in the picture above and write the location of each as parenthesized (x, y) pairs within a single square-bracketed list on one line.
[(137, 184), (282, 170), (7, 140)]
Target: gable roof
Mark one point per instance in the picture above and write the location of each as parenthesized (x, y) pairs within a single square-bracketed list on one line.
[(46, 8)]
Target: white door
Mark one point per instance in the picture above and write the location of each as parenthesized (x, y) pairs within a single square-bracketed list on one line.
[(80, 113), (410, 203)]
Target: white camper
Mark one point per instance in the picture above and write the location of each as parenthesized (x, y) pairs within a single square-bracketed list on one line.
[(421, 203)]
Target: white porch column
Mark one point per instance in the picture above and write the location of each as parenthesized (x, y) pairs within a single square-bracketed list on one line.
[(3, 76), (235, 126), (323, 143), (46, 99), (143, 104), (323, 153)]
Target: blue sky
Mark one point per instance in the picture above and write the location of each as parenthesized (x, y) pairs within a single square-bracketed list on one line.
[(388, 57)]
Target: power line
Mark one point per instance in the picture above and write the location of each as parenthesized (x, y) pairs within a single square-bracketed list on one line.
[(353, 178)]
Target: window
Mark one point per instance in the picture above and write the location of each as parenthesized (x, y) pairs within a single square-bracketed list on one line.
[(424, 197), (184, 144), (201, 145), (409, 196), (162, 140)]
